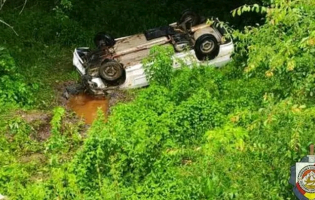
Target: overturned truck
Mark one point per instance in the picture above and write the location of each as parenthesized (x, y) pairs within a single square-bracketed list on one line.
[(116, 63)]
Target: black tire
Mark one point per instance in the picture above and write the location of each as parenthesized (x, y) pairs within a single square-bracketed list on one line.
[(206, 47), (190, 16), (111, 71), (103, 40)]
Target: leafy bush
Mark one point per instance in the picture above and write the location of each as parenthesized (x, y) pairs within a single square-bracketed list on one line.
[(13, 86), (158, 66), (283, 48), (146, 146)]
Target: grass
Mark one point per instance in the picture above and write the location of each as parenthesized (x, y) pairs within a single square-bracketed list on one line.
[(50, 73)]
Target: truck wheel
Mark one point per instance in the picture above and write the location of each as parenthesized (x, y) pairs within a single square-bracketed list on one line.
[(189, 16), (103, 40), (206, 47), (111, 71)]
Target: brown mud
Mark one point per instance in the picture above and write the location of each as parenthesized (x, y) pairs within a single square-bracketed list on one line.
[(84, 106)]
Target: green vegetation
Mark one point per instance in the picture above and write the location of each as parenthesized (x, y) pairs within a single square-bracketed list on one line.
[(195, 133), (12, 83)]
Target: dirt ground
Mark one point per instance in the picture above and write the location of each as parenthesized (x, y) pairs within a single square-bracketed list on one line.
[(40, 120)]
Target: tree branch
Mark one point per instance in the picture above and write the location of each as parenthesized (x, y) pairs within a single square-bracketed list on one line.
[(23, 6), (2, 3), (8, 25)]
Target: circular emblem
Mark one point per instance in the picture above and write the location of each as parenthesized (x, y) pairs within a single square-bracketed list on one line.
[(306, 179)]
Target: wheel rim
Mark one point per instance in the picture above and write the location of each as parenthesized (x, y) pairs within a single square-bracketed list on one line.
[(112, 71), (101, 43), (207, 46)]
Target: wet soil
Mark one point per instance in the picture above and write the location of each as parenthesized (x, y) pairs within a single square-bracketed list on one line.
[(78, 106), (40, 121)]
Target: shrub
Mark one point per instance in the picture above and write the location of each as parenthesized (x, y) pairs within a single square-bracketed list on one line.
[(13, 86), (282, 49), (158, 66)]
